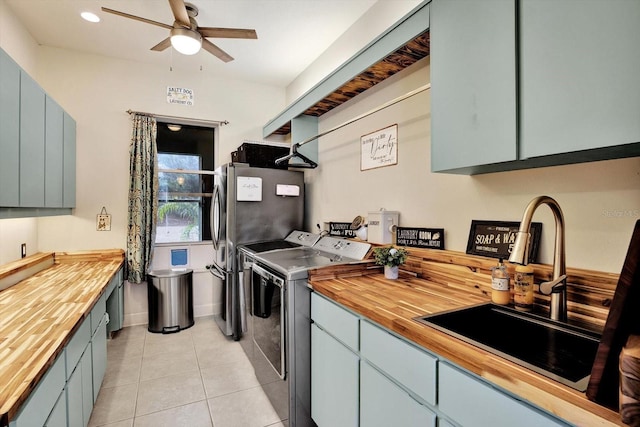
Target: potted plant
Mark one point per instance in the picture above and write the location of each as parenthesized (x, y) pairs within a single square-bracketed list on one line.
[(390, 257)]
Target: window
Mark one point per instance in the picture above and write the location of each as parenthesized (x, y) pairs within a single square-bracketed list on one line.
[(185, 162)]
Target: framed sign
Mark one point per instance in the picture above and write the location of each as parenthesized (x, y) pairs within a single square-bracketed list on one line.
[(432, 238), (495, 239), (341, 229), (103, 220), (379, 148)]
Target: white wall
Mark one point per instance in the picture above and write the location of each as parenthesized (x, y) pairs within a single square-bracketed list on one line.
[(600, 200)]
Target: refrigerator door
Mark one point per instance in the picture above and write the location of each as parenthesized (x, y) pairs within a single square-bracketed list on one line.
[(271, 217), (219, 218)]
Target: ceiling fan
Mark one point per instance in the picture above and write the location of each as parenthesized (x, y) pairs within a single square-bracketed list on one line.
[(185, 35)]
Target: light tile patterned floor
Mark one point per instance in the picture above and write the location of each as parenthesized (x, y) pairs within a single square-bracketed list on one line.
[(194, 378)]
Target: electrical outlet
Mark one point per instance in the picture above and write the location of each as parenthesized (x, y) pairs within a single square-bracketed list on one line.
[(23, 250)]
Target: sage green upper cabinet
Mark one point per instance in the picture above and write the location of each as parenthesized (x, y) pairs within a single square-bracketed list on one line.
[(54, 151), (579, 71), (473, 83), (32, 148), (69, 162), (528, 83), (9, 131), (37, 148)]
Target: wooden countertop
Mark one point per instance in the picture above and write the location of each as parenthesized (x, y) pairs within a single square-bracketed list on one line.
[(394, 303), (39, 315)]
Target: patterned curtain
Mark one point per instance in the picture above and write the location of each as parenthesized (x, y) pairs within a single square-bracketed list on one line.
[(143, 197)]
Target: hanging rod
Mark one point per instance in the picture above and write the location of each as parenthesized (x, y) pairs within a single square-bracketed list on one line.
[(368, 113), (294, 147), (180, 120)]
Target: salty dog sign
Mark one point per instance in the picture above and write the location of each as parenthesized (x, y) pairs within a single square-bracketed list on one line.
[(432, 238), (495, 239)]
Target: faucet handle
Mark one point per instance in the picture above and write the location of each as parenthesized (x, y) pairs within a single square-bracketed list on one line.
[(547, 288)]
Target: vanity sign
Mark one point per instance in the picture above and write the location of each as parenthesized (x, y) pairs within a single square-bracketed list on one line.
[(379, 148)]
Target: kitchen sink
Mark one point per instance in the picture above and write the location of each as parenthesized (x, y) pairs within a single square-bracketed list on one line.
[(556, 350)]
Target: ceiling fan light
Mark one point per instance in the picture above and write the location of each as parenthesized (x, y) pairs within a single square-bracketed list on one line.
[(186, 41)]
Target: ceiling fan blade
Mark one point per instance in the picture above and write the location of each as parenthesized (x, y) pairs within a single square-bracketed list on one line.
[(180, 12), (228, 33), (137, 18), (162, 45), (215, 50)]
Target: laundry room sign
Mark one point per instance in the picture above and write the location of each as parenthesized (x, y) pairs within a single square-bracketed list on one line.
[(179, 95)]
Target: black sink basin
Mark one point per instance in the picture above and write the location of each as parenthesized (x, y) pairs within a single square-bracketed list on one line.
[(559, 351)]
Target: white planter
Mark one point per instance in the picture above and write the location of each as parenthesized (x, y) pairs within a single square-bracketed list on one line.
[(391, 272)]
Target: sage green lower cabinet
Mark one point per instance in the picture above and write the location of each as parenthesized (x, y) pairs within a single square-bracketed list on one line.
[(99, 348), (335, 371), (383, 403), (45, 398), (364, 375), (471, 402), (58, 416), (334, 381), (115, 302)]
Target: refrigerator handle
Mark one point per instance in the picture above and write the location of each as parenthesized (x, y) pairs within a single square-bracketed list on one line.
[(215, 232)]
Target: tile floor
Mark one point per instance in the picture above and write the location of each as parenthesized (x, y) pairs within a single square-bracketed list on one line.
[(193, 378)]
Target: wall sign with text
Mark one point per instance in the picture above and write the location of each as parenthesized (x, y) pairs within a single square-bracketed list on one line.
[(432, 238), (495, 239), (379, 148), (341, 229)]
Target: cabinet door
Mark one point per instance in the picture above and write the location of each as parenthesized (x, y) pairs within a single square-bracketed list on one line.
[(99, 356), (473, 83), (579, 75), (69, 162), (383, 403), (9, 131), (32, 114), (334, 381), (58, 416), (86, 364), (54, 150), (74, 398), (470, 402)]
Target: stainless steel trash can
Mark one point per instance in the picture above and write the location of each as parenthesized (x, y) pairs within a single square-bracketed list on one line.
[(170, 298)]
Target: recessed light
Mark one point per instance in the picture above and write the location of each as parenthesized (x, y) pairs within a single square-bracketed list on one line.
[(89, 16)]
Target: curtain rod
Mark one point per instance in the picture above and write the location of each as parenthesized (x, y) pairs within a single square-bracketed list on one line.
[(180, 120), (368, 113)]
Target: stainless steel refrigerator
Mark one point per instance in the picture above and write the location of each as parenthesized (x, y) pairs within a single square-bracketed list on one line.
[(249, 205)]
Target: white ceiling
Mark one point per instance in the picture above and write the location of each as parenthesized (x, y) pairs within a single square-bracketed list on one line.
[(291, 33)]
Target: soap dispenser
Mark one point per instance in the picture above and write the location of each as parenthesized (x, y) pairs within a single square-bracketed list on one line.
[(500, 293)]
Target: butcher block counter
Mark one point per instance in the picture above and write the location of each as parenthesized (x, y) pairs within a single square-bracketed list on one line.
[(40, 313), (433, 283)]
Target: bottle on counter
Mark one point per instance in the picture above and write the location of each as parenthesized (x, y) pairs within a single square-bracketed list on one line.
[(500, 293), (523, 288)]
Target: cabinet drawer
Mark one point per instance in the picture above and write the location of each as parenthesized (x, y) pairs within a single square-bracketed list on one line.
[(98, 312), (471, 402), (77, 345), (383, 403), (407, 364), (334, 319), (43, 399)]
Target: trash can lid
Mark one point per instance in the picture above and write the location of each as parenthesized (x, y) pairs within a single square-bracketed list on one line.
[(176, 272)]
